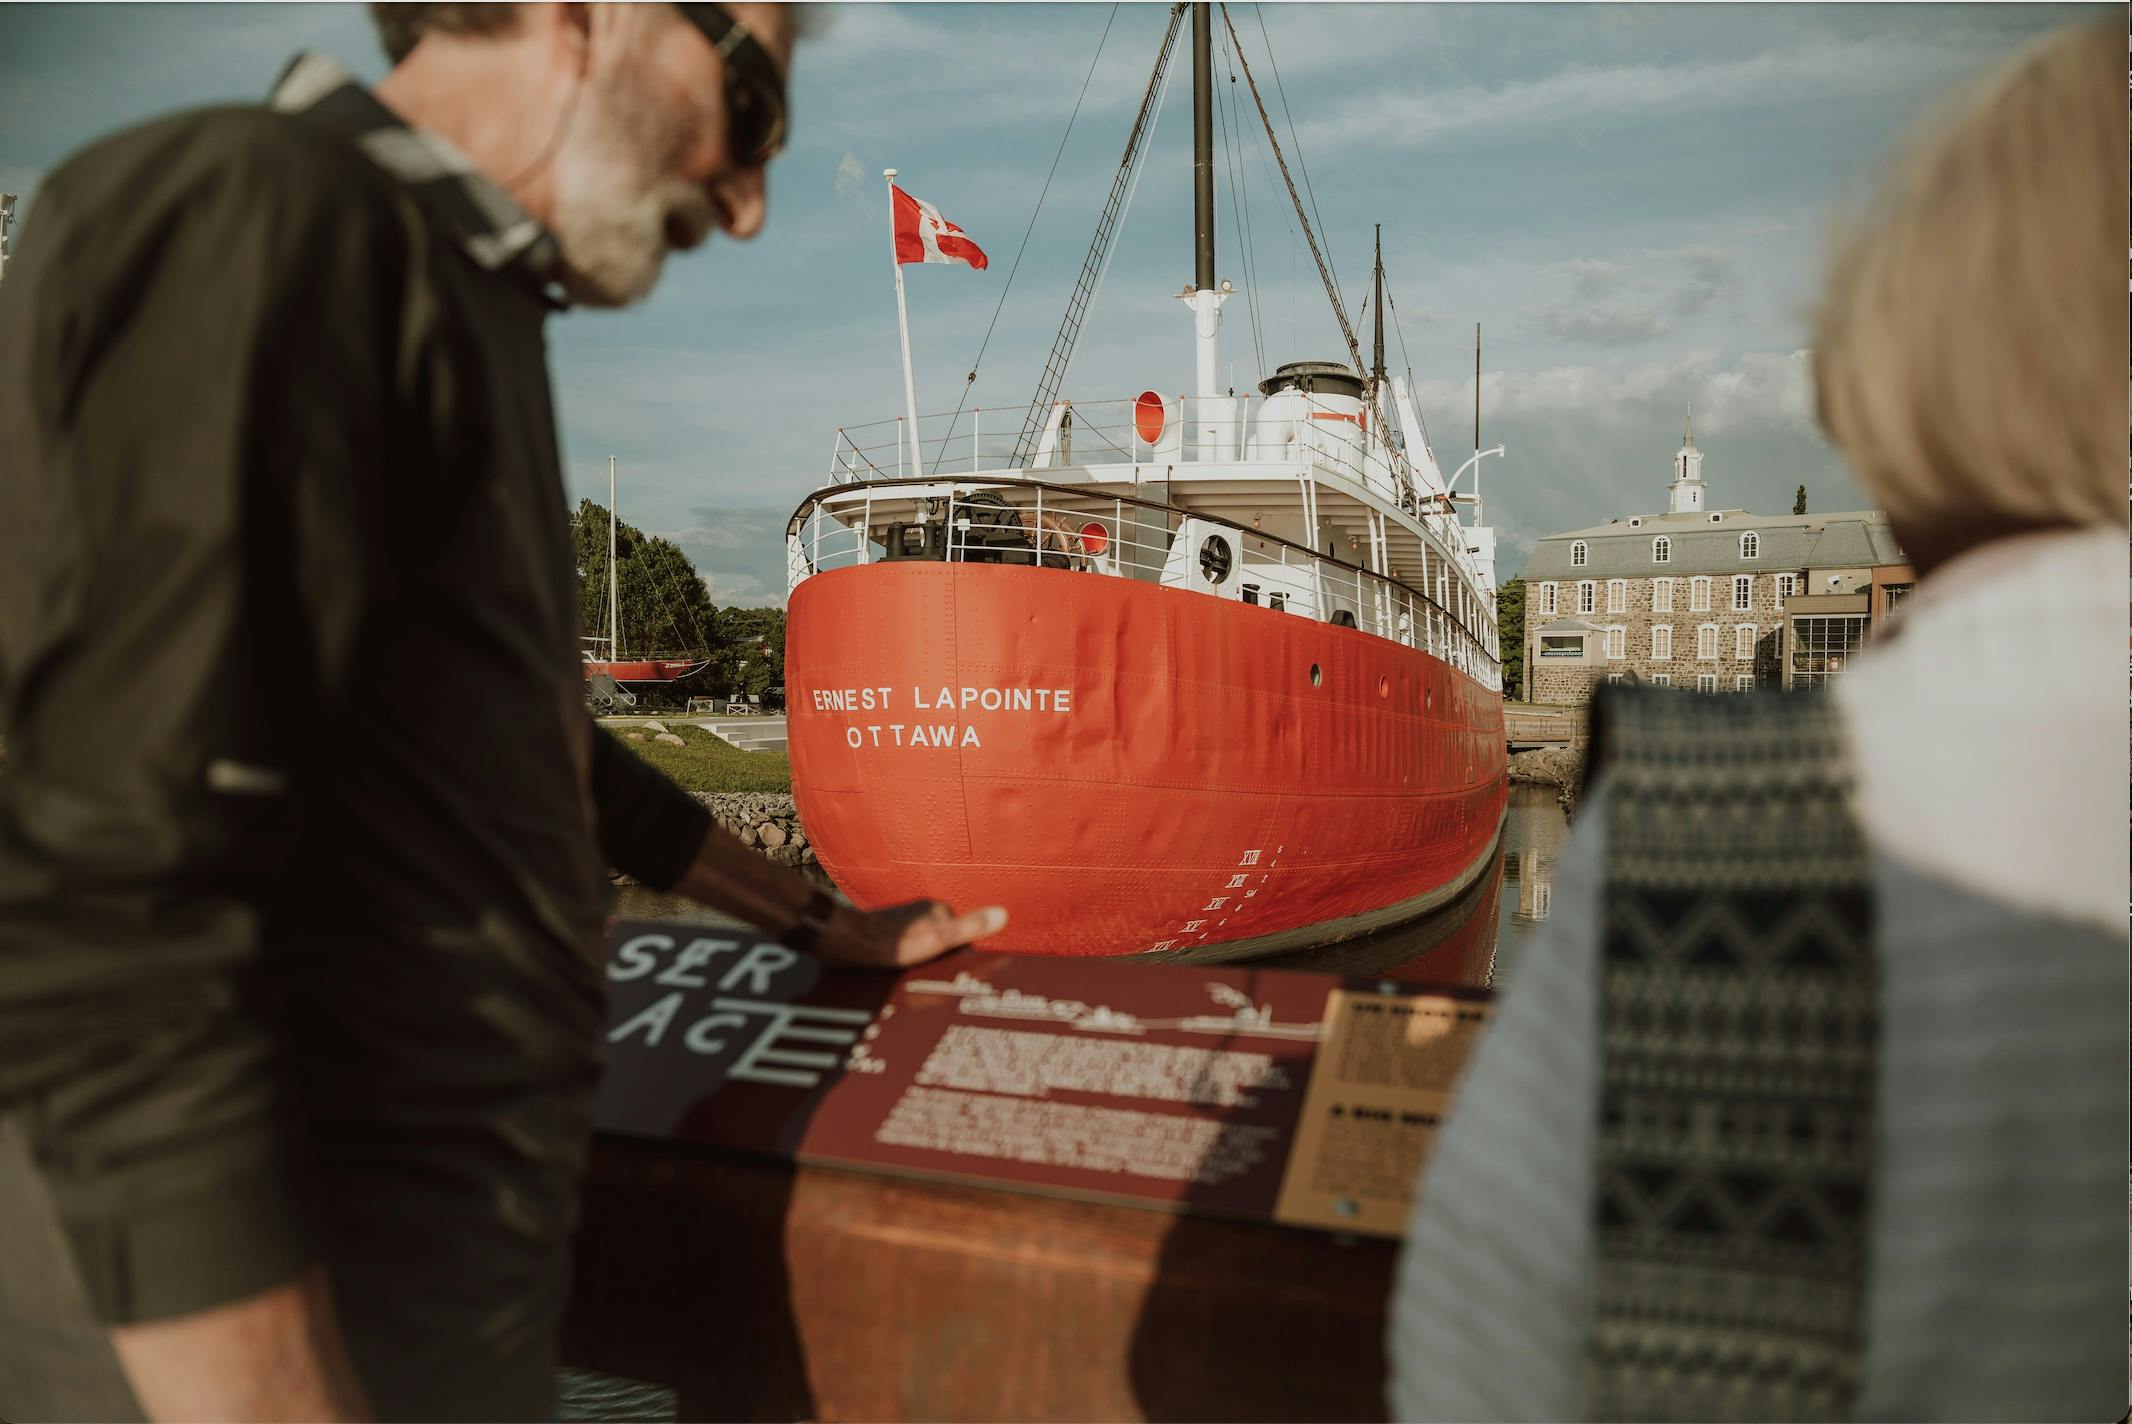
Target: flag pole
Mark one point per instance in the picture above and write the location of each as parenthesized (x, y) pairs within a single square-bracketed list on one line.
[(903, 323)]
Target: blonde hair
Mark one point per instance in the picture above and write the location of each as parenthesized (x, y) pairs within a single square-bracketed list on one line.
[(1967, 348)]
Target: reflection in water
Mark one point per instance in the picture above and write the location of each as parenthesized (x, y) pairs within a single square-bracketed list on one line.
[(1477, 939), (1535, 834)]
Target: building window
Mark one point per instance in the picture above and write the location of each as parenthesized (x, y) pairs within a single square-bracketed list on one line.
[(1662, 595), (1743, 642), (1662, 642), (1784, 590), (1547, 599), (1750, 546), (1742, 592), (1587, 597), (1617, 595), (1743, 684), (1706, 682), (1617, 642), (1892, 595), (1822, 643), (1706, 642), (1577, 553), (1699, 595), (1662, 679), (1613, 677), (1661, 550)]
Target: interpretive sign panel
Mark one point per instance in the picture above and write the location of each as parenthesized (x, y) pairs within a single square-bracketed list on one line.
[(1262, 1093)]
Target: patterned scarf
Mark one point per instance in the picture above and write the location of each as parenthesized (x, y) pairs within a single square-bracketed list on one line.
[(1739, 1042)]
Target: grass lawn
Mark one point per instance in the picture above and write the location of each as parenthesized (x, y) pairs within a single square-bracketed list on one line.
[(707, 764)]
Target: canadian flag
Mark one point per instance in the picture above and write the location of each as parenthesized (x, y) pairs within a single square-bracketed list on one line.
[(922, 235)]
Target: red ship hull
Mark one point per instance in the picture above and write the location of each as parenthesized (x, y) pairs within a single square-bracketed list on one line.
[(1131, 769)]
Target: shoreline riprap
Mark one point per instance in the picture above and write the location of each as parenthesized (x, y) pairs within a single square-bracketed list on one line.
[(1559, 767)]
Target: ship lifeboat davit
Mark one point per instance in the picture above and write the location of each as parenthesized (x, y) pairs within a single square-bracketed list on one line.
[(1131, 769)]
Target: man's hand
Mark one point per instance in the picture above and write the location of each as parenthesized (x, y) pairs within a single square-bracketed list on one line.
[(903, 935), (728, 876)]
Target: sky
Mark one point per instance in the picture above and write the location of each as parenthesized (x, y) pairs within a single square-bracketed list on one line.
[(1633, 201)]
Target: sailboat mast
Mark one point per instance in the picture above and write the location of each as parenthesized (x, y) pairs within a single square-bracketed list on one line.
[(614, 582)]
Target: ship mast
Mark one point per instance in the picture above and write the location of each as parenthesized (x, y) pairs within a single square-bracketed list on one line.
[(1202, 152), (1377, 348), (1204, 300)]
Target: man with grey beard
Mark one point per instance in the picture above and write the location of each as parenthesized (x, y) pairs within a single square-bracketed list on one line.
[(304, 826)]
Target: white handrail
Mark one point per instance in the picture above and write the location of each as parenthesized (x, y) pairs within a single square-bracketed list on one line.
[(839, 528)]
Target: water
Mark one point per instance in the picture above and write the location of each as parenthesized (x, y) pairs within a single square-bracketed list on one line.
[(1535, 834), (1445, 946)]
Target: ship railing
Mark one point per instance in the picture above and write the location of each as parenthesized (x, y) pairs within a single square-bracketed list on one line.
[(1032, 523), (1179, 430), (1092, 432)]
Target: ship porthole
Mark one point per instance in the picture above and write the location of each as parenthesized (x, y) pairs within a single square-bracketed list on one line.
[(1215, 560), (1384, 687), (1317, 675)]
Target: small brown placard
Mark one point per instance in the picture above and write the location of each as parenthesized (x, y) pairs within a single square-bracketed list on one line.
[(1378, 1091)]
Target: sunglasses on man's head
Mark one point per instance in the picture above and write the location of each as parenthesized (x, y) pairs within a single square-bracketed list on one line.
[(755, 105)]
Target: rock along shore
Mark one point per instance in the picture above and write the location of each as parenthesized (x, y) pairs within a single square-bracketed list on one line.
[(1559, 767), (765, 821)]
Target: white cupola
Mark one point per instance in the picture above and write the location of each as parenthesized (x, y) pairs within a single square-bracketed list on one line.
[(1686, 490)]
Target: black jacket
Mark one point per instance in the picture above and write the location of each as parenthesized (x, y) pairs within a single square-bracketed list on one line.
[(303, 821)]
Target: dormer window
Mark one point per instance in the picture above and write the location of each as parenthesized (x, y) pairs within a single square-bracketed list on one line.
[(1661, 550), (1577, 554), (1750, 546)]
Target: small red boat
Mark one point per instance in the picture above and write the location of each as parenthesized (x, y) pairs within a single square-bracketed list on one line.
[(629, 672), (637, 672)]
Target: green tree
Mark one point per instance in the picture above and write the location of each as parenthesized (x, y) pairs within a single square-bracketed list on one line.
[(751, 649), (1798, 501), (1510, 631), (666, 611)]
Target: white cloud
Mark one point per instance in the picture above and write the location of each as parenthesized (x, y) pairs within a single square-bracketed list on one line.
[(1589, 277), (1608, 304), (1590, 323), (742, 590), (851, 176), (1759, 389), (1763, 388), (1410, 115), (1711, 277)]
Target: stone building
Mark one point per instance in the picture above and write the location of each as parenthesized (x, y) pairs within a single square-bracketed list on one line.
[(1717, 600)]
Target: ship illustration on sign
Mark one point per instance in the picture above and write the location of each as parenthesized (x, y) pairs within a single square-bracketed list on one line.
[(1244, 1019), (1191, 676)]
